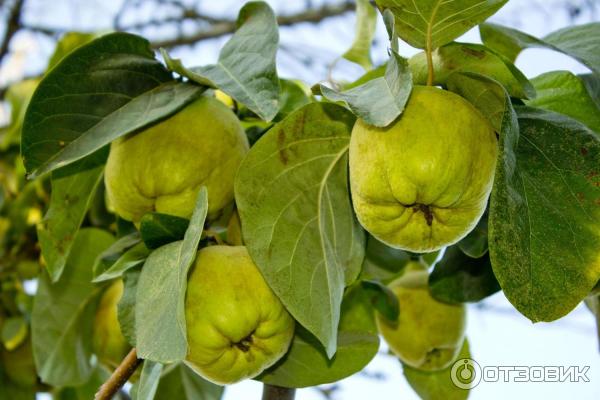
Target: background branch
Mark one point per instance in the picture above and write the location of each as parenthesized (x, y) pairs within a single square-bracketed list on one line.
[(13, 24)]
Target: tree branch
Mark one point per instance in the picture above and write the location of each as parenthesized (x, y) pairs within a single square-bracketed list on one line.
[(13, 24), (271, 392), (226, 27), (119, 377)]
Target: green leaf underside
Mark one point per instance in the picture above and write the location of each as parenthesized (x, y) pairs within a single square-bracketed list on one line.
[(306, 363), (63, 314), (149, 379), (383, 263), (381, 100), (73, 188), (581, 42), (161, 293), (438, 21), (458, 278), (246, 69), (159, 229), (566, 93), (180, 382), (103, 90), (130, 259), (111, 255), (366, 22), (545, 214), (126, 305), (383, 299), (437, 385), (297, 219)]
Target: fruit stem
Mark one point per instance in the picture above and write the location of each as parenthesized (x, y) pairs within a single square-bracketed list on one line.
[(271, 392), (119, 377)]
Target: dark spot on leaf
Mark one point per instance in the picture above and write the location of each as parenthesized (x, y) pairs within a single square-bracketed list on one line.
[(474, 53), (280, 144), (584, 151), (580, 196)]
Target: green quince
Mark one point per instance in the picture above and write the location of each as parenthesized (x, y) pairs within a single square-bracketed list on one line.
[(162, 168), (236, 326), (108, 343), (423, 182), (428, 334)]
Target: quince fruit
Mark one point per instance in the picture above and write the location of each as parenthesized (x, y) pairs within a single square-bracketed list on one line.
[(428, 334), (423, 182), (108, 343), (162, 168), (236, 326)]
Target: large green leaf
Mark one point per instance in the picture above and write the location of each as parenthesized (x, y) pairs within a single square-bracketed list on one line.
[(306, 364), (580, 42), (383, 263), (545, 214), (297, 219), (73, 188), (161, 293), (458, 278), (246, 68), (103, 90), (159, 229), (381, 100), (182, 383), (63, 314), (471, 58), (433, 23), (366, 22), (565, 93), (437, 385)]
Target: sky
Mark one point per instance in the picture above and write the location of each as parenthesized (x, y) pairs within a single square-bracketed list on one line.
[(498, 334)]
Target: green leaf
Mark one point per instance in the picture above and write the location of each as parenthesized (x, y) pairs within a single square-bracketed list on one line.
[(383, 263), (73, 189), (381, 100), (14, 332), (67, 43), (475, 244), (306, 364), (161, 293), (87, 390), (111, 255), (297, 219), (18, 96), (366, 22), (131, 258), (471, 58), (433, 23), (126, 306), (580, 42), (592, 83), (183, 383), (545, 215), (293, 96), (458, 278), (246, 68), (565, 93), (105, 89), (159, 229), (149, 379), (437, 385), (63, 314), (383, 299)]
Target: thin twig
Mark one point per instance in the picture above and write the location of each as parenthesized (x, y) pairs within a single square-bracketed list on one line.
[(13, 24), (119, 377), (271, 392)]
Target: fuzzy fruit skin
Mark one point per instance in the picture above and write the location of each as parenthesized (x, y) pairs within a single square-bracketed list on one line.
[(162, 168), (428, 334), (108, 343), (422, 183), (236, 326)]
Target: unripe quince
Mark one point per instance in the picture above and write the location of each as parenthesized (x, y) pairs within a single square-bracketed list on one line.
[(162, 168), (422, 183), (236, 326), (428, 334), (109, 344), (18, 364)]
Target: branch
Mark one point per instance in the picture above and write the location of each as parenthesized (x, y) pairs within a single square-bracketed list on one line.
[(271, 392), (119, 377), (226, 27), (13, 24)]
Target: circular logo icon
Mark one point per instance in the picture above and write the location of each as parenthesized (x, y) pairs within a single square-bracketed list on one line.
[(465, 373)]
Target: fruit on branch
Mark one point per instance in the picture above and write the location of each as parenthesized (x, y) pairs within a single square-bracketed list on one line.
[(162, 168), (236, 326), (423, 182), (18, 364), (428, 334), (109, 344)]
